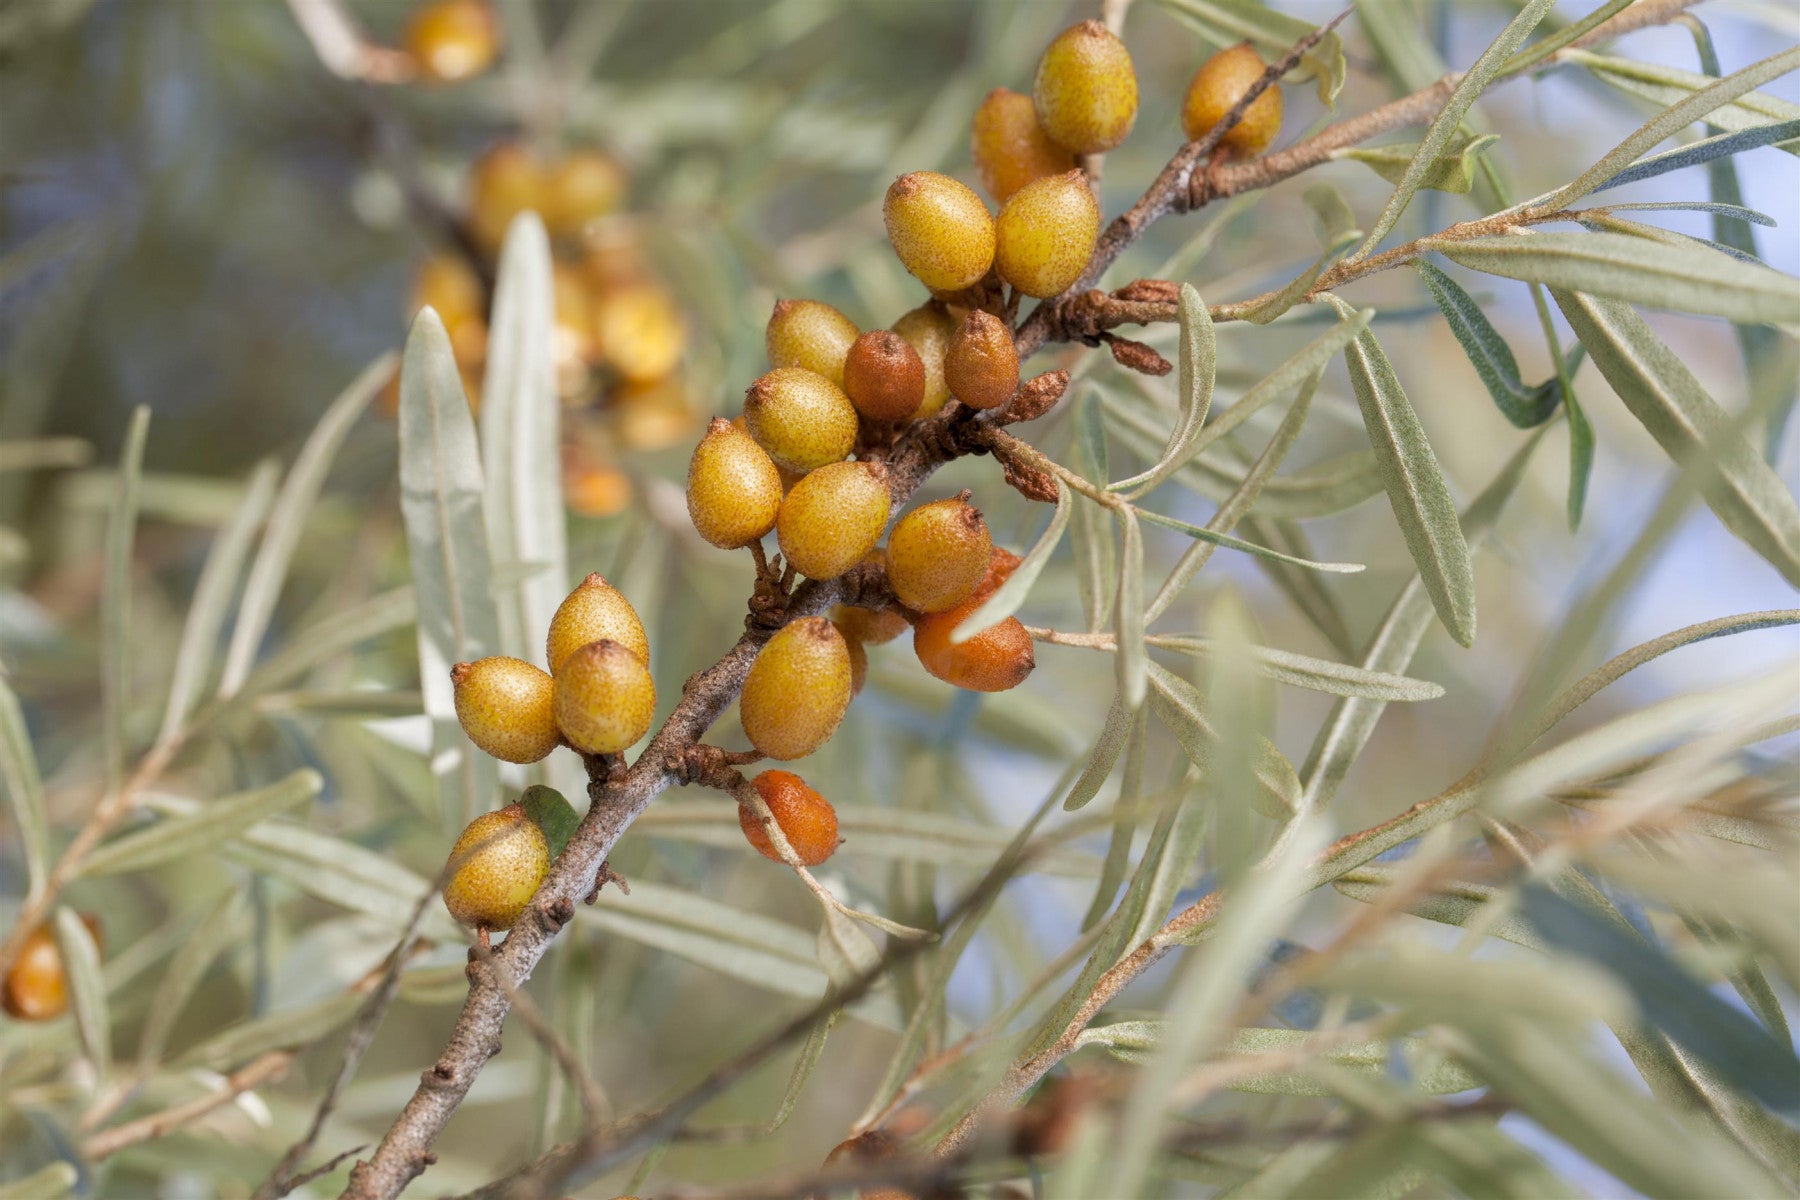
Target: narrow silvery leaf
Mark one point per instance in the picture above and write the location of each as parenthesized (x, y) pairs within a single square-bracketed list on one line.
[(1119, 722), (1226, 22), (1706, 150), (1488, 352), (213, 823), (1545, 47), (1452, 171), (115, 596), (1232, 543), (441, 489), (212, 935), (324, 640), (1136, 1042), (1181, 707), (1130, 614), (1450, 118), (1749, 498), (1010, 595), (52, 1182), (287, 521), (1197, 362), (24, 787), (1685, 276), (1728, 209), (1238, 703), (1315, 674), (87, 988), (1096, 554), (285, 1030)]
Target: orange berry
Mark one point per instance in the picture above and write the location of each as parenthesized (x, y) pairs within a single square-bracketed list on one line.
[(993, 660), (496, 867), (938, 554), (800, 417), (809, 334), (587, 184), (594, 611), (1085, 92), (797, 690), (884, 376), (831, 519), (928, 330), (453, 40), (639, 332), (449, 284), (1010, 148), (1047, 233), (981, 368), (504, 706), (940, 229), (733, 487), (37, 986), (605, 698), (870, 626), (807, 820), (503, 183), (595, 491), (1215, 90)]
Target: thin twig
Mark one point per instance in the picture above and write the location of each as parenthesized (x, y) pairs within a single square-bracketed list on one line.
[(265, 1068)]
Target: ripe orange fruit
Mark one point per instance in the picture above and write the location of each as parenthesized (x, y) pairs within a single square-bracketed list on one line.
[(806, 818)]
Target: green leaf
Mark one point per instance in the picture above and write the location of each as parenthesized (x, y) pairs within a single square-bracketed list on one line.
[(1415, 487), (187, 836), (1720, 146), (213, 934), (53, 1182), (1690, 426), (336, 634), (1227, 22), (1010, 595), (87, 987), (1732, 210), (288, 1029), (1581, 457), (1451, 171), (287, 521), (1231, 543), (1314, 674), (1449, 120), (1180, 706), (1096, 555), (1197, 362), (1136, 1042), (24, 787), (1683, 277), (1488, 353), (1573, 31), (441, 490), (115, 597), (1120, 720), (338, 872), (552, 813), (1133, 682)]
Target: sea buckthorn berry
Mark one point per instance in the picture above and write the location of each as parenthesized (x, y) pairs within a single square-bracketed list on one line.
[(594, 611), (604, 698), (810, 334), (572, 335), (587, 184), (453, 40), (938, 554), (733, 487), (940, 229), (1001, 564), (1217, 86), (1085, 91), (654, 416), (807, 820), (37, 986), (797, 690), (870, 626), (505, 706), (884, 376), (833, 517), (928, 330), (981, 367), (994, 660), (595, 489), (800, 417), (639, 332), (859, 662), (1047, 234), (496, 867), (503, 183), (450, 285), (1010, 148)]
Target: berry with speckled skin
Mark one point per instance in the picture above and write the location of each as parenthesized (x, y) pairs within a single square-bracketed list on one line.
[(941, 231), (807, 820), (639, 332), (938, 554), (800, 417), (594, 611), (452, 40), (37, 986), (809, 334), (496, 867), (833, 517), (503, 183), (504, 706), (981, 367), (797, 690), (586, 185), (1085, 92), (604, 698), (994, 660), (1215, 90), (1047, 233), (733, 487), (928, 330), (870, 626), (884, 376), (1009, 146)]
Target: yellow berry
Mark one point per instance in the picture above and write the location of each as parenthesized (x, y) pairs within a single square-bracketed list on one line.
[(585, 185), (806, 819), (654, 416), (503, 183), (928, 330), (595, 490), (452, 40), (639, 332), (733, 487), (870, 626), (809, 334), (594, 611), (940, 229), (604, 698), (504, 705), (37, 985), (1085, 91), (797, 690), (981, 367), (938, 554), (572, 336), (496, 867), (1217, 86), (831, 519), (1047, 233), (800, 417), (884, 376), (1010, 147)]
